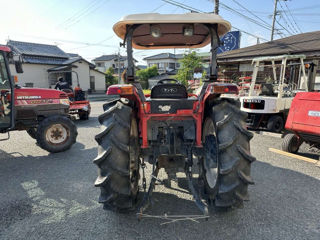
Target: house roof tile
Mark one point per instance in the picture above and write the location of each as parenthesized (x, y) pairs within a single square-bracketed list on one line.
[(164, 56), (43, 60), (37, 49)]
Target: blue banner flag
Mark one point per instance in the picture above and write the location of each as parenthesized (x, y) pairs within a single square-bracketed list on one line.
[(230, 41)]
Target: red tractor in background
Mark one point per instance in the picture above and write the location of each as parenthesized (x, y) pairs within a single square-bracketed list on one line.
[(171, 128), (43, 113), (303, 122), (79, 105)]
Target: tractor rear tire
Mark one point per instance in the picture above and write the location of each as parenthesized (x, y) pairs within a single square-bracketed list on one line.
[(118, 157), (32, 132), (56, 134), (232, 153), (275, 124), (291, 143)]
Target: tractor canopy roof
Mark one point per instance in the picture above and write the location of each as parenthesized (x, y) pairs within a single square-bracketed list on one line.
[(156, 31)]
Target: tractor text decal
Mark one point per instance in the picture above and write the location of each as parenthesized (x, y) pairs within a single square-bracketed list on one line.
[(38, 101), (28, 97)]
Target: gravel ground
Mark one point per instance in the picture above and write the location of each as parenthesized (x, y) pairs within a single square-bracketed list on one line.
[(51, 196)]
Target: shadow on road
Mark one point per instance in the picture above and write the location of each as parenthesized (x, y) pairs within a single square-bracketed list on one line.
[(92, 122), (57, 190), (53, 186)]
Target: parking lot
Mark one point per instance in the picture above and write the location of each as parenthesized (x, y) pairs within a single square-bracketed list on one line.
[(51, 196)]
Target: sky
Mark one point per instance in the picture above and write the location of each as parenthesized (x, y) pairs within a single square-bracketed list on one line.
[(85, 26)]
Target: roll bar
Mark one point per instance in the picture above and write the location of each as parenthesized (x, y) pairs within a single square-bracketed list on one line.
[(213, 74)]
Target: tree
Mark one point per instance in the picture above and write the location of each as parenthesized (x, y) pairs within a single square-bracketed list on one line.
[(110, 79), (145, 74), (189, 63)]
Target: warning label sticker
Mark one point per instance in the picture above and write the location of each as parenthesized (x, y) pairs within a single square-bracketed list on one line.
[(314, 113)]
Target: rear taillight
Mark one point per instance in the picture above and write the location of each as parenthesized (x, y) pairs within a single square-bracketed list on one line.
[(120, 90), (228, 89)]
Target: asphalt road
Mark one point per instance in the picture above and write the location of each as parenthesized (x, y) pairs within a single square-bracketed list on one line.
[(51, 196)]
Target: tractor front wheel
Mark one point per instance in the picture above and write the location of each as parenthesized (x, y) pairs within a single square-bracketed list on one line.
[(275, 124), (32, 132), (56, 134), (227, 159), (291, 143), (118, 157)]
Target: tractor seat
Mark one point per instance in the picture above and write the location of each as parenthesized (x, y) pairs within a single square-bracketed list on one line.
[(166, 89), (267, 89)]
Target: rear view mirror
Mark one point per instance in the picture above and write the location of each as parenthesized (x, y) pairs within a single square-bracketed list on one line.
[(18, 63), (18, 66)]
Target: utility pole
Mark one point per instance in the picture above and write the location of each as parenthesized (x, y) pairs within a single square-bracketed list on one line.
[(274, 18), (258, 40), (216, 7)]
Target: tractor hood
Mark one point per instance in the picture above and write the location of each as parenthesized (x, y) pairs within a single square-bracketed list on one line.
[(38, 93)]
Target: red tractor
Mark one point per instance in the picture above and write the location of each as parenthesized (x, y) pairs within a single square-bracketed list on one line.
[(43, 113), (79, 104), (303, 122), (171, 128)]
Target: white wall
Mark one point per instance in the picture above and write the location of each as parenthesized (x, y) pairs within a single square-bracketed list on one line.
[(38, 75), (105, 65), (83, 71), (100, 81), (32, 73)]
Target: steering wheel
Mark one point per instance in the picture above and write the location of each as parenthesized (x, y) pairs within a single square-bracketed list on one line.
[(168, 80)]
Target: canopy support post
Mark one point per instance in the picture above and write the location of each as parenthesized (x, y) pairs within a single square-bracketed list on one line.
[(214, 48), (130, 69)]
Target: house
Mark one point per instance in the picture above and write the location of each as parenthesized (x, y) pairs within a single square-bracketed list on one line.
[(114, 61), (164, 61), (237, 63), (43, 64)]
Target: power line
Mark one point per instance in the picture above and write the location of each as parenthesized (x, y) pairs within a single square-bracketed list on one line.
[(197, 10), (78, 13), (266, 26), (97, 6), (236, 2), (70, 41), (308, 7), (160, 6), (178, 4), (289, 25), (292, 17), (95, 44), (284, 27)]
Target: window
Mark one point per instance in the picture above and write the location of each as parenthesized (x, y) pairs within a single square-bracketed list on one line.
[(177, 65), (4, 80), (92, 83), (161, 65), (99, 65), (172, 65)]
